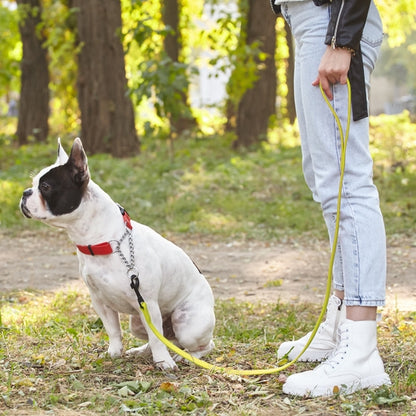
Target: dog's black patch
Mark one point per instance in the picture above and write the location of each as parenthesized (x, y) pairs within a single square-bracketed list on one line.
[(62, 189)]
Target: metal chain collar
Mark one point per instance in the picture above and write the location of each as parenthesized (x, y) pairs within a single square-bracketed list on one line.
[(130, 265), (132, 272)]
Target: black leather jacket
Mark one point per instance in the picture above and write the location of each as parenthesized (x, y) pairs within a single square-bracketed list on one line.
[(345, 29)]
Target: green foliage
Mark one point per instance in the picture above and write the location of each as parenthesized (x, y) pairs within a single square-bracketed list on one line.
[(205, 189), (165, 81), (232, 55), (393, 142), (394, 150), (153, 77), (10, 52), (16, 168), (398, 53), (398, 18), (397, 64), (59, 28)]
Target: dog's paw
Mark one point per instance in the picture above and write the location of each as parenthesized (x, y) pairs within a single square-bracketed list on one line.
[(166, 365), (143, 350), (178, 358), (115, 351)]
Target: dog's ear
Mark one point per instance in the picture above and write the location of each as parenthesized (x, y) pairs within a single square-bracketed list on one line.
[(62, 156), (78, 163)]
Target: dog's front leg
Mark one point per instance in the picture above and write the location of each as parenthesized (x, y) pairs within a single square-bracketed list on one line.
[(111, 322), (160, 353)]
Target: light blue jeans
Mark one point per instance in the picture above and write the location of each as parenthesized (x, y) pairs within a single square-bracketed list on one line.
[(360, 262)]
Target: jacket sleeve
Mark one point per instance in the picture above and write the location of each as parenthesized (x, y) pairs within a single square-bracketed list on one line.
[(345, 30), (347, 22)]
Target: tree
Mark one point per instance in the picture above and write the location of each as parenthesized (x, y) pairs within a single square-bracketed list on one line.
[(34, 90), (180, 120), (59, 23), (107, 117), (258, 102)]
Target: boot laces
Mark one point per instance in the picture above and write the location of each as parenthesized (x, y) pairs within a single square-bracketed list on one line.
[(339, 353)]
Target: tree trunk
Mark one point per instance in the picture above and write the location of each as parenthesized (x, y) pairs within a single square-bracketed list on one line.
[(34, 90), (231, 104), (290, 72), (107, 116), (172, 46), (259, 102)]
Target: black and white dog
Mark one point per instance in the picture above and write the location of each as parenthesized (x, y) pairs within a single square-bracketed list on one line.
[(111, 248)]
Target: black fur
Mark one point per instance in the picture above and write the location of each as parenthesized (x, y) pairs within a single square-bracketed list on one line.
[(62, 188)]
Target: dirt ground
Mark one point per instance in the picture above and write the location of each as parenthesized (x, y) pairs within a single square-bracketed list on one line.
[(247, 271)]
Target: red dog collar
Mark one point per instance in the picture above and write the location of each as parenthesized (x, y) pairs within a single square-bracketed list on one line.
[(104, 249)]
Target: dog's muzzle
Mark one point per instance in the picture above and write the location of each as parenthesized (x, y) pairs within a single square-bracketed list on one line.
[(26, 194)]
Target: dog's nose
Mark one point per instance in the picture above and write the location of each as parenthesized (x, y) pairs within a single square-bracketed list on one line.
[(27, 193)]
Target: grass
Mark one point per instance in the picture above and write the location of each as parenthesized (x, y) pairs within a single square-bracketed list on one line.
[(52, 358), (208, 189)]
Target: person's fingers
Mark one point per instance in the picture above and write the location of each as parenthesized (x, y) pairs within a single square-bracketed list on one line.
[(326, 85), (343, 78)]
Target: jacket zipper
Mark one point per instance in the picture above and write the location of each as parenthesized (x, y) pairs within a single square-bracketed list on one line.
[(334, 37)]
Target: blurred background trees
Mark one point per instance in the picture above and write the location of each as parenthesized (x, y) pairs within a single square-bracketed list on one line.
[(34, 78), (107, 116), (113, 71)]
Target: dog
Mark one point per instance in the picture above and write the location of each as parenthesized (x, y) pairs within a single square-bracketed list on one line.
[(114, 252)]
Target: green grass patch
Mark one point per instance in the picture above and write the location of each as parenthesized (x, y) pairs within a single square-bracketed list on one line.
[(393, 146), (206, 188), (53, 359)]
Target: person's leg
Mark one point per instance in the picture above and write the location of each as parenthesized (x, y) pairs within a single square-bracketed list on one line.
[(361, 248), (370, 45), (306, 51), (359, 273)]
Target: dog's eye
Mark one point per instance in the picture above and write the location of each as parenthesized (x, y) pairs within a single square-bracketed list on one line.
[(44, 187)]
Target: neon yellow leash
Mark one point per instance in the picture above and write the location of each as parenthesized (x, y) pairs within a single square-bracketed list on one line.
[(254, 372)]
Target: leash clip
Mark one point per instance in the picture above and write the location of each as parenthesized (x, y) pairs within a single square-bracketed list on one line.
[(134, 284)]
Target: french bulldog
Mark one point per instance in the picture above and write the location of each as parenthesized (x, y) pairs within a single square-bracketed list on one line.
[(112, 251)]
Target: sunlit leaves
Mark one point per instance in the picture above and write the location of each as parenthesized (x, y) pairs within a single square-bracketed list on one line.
[(10, 51), (399, 19)]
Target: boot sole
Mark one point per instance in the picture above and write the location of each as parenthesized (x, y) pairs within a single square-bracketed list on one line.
[(326, 391)]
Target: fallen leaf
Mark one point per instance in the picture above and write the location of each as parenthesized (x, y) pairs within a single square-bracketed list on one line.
[(168, 387)]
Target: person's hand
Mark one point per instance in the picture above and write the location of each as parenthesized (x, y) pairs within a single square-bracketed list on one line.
[(333, 68)]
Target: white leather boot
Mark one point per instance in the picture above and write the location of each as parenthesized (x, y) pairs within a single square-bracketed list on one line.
[(325, 339), (355, 364)]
